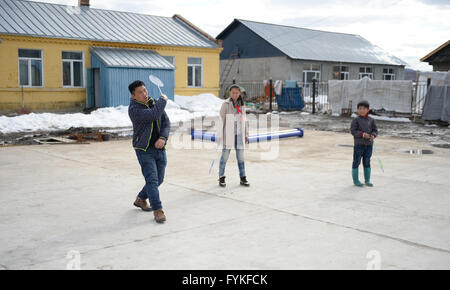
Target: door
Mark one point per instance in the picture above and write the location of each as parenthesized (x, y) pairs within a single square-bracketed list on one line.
[(97, 87)]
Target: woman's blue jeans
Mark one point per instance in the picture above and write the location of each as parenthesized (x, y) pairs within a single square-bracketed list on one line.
[(239, 156)]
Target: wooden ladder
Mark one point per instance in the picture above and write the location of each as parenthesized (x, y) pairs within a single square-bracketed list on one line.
[(227, 69)]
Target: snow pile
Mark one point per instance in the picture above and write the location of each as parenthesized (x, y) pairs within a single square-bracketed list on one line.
[(104, 117), (171, 105), (176, 114), (204, 104), (183, 109), (186, 108)]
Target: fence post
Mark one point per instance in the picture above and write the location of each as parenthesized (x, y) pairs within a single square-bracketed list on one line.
[(270, 94), (314, 96)]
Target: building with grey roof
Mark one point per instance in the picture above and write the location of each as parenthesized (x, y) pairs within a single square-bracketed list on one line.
[(56, 56), (254, 51)]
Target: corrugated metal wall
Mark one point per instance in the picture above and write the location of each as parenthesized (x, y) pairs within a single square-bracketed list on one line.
[(120, 78), (104, 80), (114, 82)]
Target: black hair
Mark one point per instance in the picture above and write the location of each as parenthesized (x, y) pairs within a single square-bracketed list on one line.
[(234, 86), (135, 85), (364, 104), (240, 100)]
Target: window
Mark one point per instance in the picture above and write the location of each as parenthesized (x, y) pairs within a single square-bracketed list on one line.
[(72, 69), (388, 74), (365, 71), (341, 72), (170, 59), (30, 68), (311, 71), (195, 72)]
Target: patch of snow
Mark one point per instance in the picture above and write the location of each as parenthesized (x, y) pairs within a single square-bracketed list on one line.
[(104, 117), (183, 109), (172, 105), (208, 104)]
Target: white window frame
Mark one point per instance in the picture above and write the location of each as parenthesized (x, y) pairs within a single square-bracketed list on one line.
[(340, 72), (365, 73), (29, 59), (173, 62), (173, 59), (83, 78), (392, 75), (317, 73), (193, 72)]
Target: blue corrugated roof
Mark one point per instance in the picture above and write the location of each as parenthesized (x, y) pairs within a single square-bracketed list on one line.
[(18, 17), (309, 44), (136, 58)]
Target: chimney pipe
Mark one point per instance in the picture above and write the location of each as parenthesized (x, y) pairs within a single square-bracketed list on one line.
[(83, 3)]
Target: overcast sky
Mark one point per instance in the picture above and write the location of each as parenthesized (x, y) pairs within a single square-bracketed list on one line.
[(409, 29)]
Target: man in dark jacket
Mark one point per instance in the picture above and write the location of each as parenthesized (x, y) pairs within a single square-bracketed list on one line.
[(151, 128), (364, 131)]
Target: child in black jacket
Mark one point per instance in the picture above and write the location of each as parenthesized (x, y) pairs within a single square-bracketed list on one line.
[(364, 131)]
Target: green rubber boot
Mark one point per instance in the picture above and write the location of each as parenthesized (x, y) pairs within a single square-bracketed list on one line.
[(355, 177), (367, 177)]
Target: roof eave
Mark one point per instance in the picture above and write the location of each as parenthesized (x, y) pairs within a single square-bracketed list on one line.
[(426, 57), (343, 61), (93, 51), (106, 41), (225, 31), (195, 28), (138, 67)]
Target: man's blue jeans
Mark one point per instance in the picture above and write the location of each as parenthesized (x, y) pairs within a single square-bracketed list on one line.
[(153, 164), (239, 156), (364, 152)]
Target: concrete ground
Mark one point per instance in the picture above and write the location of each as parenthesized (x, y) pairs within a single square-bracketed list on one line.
[(64, 202)]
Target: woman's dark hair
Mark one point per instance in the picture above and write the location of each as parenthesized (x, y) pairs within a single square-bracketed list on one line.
[(234, 86), (134, 85), (241, 89), (240, 101), (364, 104)]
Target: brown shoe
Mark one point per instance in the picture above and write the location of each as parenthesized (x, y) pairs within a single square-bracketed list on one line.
[(159, 216), (142, 204)]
